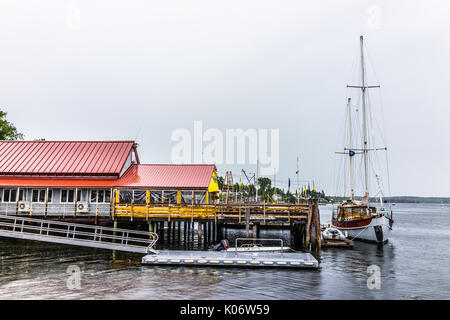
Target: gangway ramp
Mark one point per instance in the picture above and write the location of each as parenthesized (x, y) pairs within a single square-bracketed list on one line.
[(77, 234)]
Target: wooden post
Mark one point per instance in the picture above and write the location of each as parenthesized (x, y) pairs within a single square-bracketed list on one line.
[(192, 210), (111, 202), (46, 200), (174, 230), (150, 226), (168, 208), (247, 221), (169, 230), (219, 231), (317, 219), (75, 201), (239, 214), (147, 199), (205, 232), (264, 211), (308, 225), (131, 204), (199, 232), (189, 228), (161, 229), (115, 227)]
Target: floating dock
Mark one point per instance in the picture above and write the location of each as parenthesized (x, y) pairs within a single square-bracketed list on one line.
[(231, 258), (337, 243), (142, 242)]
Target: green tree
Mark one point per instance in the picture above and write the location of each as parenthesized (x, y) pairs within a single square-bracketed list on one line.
[(264, 186), (7, 130), (220, 181)]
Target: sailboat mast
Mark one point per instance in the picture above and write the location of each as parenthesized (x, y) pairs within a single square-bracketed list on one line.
[(350, 148), (363, 90)]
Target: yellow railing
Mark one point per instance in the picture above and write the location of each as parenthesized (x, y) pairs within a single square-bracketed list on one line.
[(260, 211), (166, 211)]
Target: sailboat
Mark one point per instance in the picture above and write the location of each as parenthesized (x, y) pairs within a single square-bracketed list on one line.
[(360, 219)]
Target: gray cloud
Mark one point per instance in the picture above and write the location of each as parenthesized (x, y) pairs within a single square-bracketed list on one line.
[(142, 69)]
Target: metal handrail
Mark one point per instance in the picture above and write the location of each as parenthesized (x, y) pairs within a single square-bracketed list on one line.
[(257, 239), (93, 233)]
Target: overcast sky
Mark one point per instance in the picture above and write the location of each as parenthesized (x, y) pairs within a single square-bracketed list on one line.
[(98, 70)]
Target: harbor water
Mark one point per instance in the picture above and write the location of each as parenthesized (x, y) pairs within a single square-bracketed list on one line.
[(413, 265)]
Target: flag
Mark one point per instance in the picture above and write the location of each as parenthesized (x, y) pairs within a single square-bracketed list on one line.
[(314, 188), (297, 172), (240, 183), (289, 183)]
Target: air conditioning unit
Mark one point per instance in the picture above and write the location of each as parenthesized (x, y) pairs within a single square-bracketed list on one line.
[(24, 206), (82, 206)]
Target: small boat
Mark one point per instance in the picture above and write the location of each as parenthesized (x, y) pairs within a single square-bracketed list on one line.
[(332, 237), (223, 245)]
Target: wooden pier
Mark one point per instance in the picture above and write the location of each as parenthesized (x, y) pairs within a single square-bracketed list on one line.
[(209, 222)]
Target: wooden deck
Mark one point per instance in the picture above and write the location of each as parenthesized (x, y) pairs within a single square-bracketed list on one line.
[(233, 212)]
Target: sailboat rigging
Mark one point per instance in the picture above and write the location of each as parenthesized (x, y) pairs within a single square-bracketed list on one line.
[(359, 218)]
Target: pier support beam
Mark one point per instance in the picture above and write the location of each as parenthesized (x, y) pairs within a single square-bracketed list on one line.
[(247, 222), (255, 230), (219, 227), (199, 232), (308, 226), (312, 232)]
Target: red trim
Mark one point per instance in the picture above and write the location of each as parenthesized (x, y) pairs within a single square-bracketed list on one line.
[(352, 224)]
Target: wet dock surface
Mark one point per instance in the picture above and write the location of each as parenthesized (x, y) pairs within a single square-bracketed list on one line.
[(231, 258)]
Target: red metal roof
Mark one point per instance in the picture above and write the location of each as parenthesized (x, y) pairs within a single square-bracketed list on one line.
[(167, 176), (158, 176), (63, 158)]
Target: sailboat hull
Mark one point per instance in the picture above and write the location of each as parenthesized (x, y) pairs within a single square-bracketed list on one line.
[(375, 230)]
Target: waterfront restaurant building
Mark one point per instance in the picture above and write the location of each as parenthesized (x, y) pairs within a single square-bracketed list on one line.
[(90, 178)]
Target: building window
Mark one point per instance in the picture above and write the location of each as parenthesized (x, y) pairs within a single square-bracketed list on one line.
[(199, 197), (186, 197), (125, 196), (9, 195), (155, 196), (38, 195), (67, 195), (23, 194), (100, 196), (139, 197), (170, 197)]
